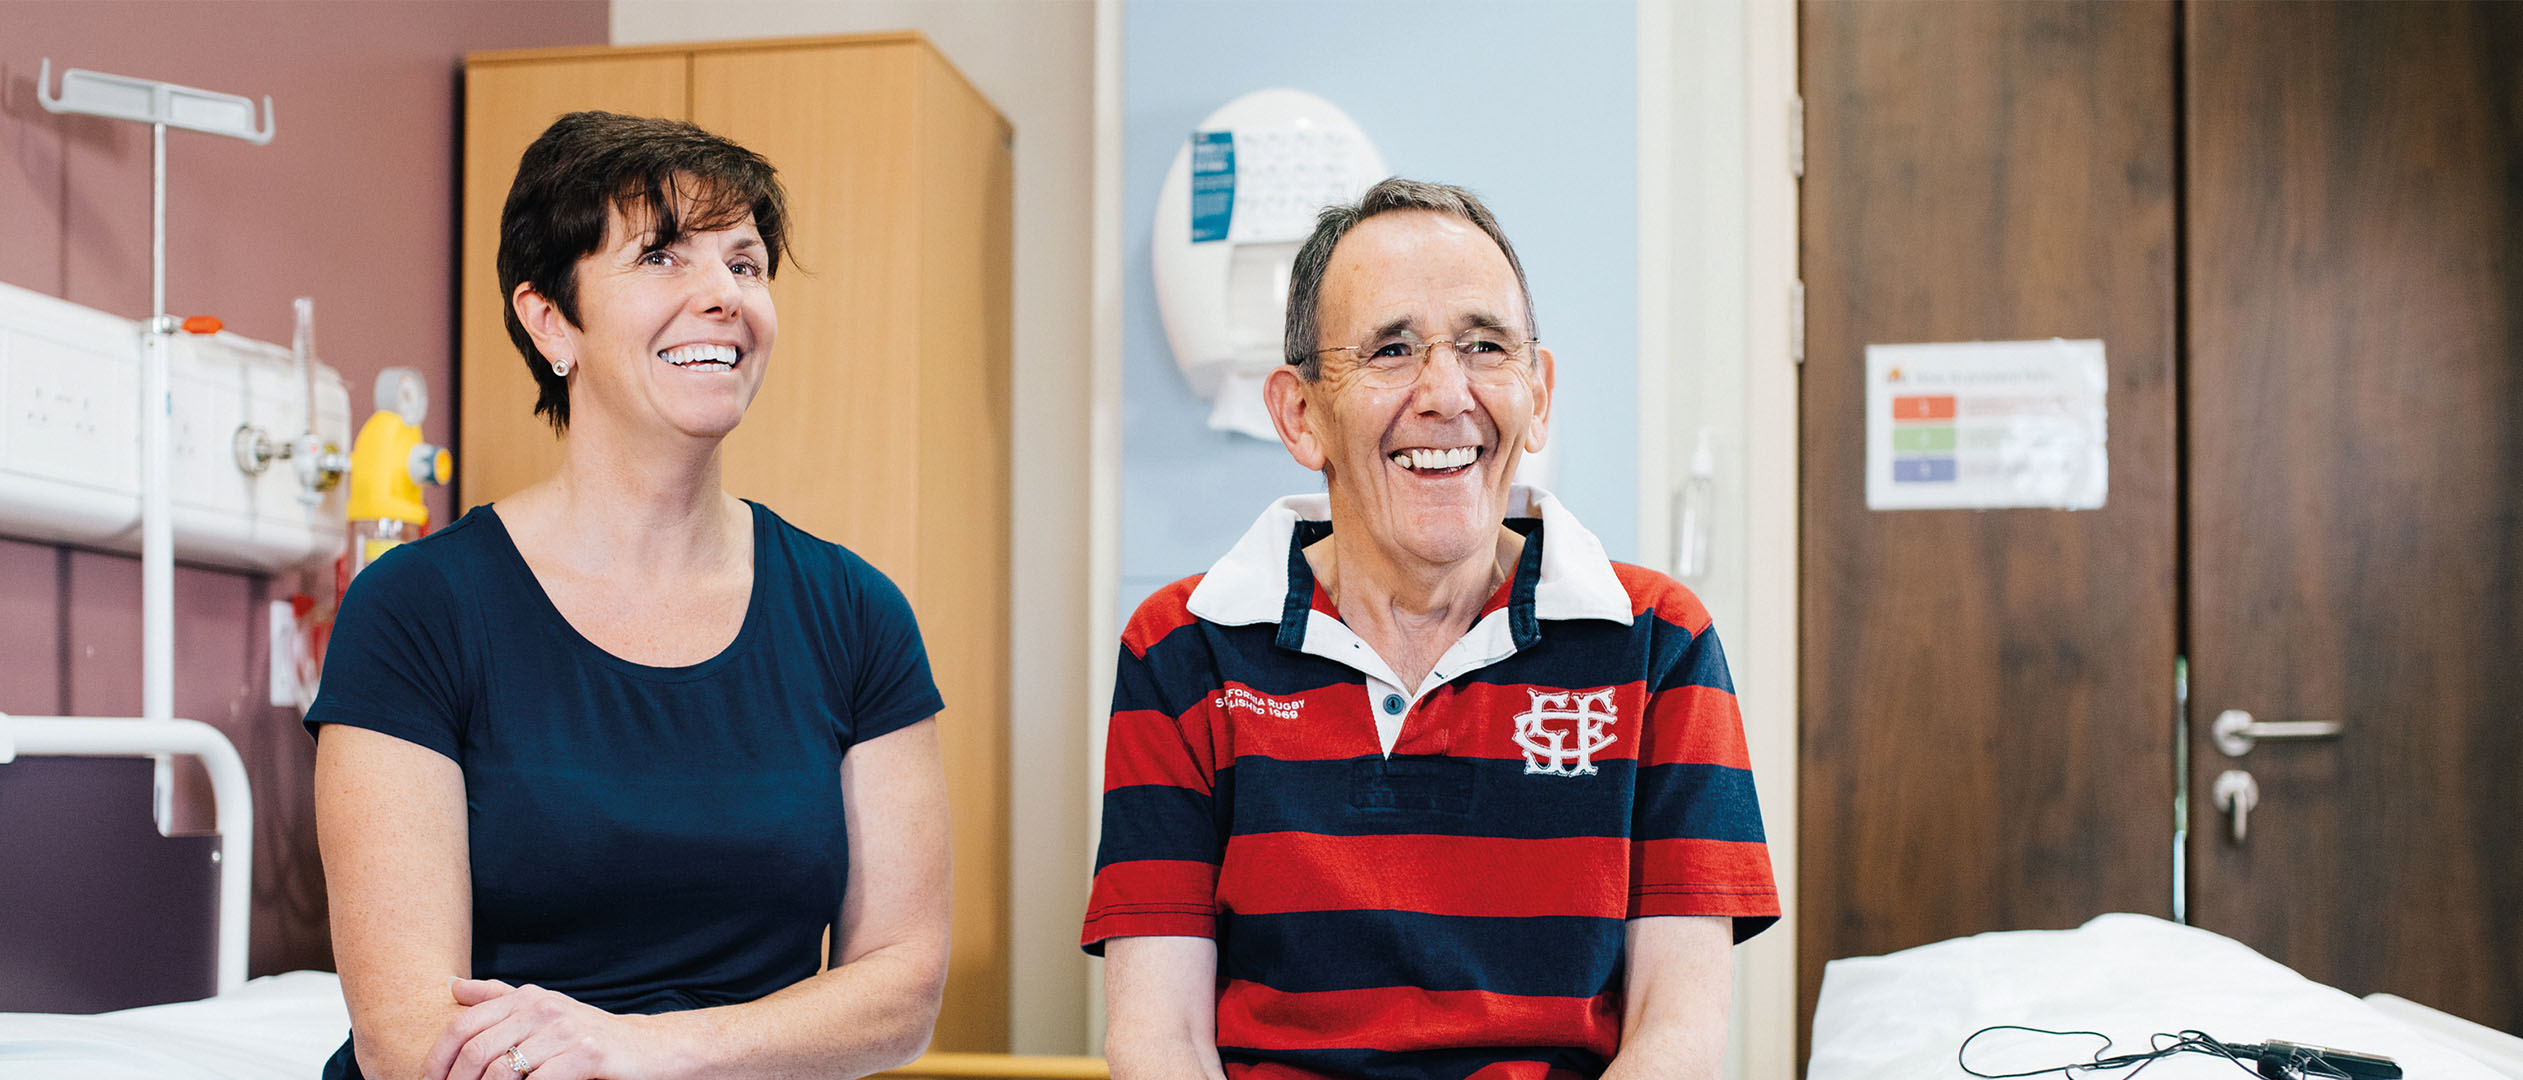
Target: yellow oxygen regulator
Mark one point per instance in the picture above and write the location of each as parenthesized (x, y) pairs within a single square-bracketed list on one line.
[(389, 461)]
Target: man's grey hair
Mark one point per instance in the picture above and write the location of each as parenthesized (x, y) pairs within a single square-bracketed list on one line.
[(1305, 281)]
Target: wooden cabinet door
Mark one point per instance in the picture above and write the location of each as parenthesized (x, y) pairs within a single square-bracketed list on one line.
[(2355, 388), (1987, 707), (501, 445), (883, 422)]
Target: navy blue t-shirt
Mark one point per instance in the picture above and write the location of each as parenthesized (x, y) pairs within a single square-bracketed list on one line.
[(644, 839)]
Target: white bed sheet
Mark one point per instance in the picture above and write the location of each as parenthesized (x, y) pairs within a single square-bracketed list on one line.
[(279, 1027), (1901, 1017)]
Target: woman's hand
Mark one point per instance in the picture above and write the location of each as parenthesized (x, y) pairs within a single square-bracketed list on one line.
[(559, 1037)]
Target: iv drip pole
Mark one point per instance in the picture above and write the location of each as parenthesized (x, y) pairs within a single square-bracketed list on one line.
[(161, 105)]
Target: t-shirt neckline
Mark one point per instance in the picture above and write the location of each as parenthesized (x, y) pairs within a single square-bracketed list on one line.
[(551, 612)]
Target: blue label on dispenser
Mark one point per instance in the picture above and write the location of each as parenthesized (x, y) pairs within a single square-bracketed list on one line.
[(1212, 184)]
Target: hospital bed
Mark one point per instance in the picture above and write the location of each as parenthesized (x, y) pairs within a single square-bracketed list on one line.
[(171, 927), (1904, 1016)]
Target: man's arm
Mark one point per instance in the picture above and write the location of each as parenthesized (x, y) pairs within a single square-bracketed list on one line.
[(1161, 1008), (1673, 1010)]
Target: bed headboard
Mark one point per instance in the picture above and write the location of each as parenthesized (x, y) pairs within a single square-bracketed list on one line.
[(89, 885)]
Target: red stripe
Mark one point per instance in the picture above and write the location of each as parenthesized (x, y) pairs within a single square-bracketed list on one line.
[(1326, 723), (1268, 873), (1701, 877), (1405, 1018), (1152, 896), (1269, 1070), (1697, 725), (1671, 600), (1482, 719), (1144, 746), (1524, 1070), (1163, 612)]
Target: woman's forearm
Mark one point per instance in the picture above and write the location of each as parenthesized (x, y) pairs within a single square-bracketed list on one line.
[(865, 1016)]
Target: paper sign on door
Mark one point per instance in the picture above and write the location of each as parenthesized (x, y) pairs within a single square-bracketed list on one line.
[(1986, 424)]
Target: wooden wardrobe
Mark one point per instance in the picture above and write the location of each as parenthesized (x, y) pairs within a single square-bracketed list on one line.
[(883, 425)]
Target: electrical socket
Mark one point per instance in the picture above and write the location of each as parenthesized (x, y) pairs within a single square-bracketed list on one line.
[(70, 414)]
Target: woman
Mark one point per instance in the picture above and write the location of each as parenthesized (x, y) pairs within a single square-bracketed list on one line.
[(598, 767)]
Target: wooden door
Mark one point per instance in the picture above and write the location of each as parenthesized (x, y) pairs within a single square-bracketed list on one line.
[(2355, 426), (1987, 695)]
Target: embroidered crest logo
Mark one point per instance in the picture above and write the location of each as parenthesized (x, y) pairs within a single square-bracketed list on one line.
[(1581, 717)]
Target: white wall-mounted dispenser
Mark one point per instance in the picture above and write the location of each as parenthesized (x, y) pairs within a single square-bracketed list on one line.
[(1240, 198)]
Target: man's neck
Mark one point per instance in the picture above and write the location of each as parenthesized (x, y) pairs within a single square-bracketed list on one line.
[(1409, 612)]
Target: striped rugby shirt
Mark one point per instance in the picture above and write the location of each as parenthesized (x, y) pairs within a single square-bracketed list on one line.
[(1429, 882)]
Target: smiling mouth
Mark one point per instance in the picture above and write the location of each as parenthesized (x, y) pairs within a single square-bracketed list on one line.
[(1427, 462), (703, 357)]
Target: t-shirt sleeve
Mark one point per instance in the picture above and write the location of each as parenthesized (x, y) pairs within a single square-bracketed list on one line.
[(396, 660), (1696, 845), (890, 685), (1156, 869)]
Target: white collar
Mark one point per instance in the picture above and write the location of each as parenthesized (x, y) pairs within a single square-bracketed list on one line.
[(1250, 583)]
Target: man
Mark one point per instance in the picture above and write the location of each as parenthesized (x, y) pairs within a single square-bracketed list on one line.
[(1414, 781)]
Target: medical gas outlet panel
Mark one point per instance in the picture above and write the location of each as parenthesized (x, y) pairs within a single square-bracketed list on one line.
[(70, 415)]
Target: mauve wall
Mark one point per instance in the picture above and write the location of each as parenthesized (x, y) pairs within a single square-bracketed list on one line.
[(353, 204)]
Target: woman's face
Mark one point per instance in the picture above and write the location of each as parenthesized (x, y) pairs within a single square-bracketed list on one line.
[(672, 340)]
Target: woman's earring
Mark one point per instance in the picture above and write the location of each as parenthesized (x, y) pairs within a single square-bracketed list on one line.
[(560, 367)]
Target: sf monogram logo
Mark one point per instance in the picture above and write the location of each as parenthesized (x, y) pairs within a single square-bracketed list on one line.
[(1581, 716)]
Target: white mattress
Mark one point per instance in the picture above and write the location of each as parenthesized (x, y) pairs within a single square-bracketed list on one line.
[(278, 1026), (2127, 976)]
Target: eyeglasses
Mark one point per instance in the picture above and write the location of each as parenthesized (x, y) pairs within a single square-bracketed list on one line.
[(1489, 355)]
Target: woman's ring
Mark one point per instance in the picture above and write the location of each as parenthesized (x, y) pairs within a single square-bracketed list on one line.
[(517, 1062)]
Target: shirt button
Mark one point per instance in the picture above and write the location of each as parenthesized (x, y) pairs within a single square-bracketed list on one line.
[(1392, 703)]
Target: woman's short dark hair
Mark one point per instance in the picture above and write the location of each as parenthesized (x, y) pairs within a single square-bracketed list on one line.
[(589, 165)]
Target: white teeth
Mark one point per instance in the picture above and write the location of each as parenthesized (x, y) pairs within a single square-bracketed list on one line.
[(1416, 460), (701, 357)]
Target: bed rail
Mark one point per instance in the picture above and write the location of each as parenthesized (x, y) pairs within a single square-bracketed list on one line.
[(118, 736)]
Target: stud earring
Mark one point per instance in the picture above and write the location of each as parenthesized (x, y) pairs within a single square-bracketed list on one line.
[(561, 367)]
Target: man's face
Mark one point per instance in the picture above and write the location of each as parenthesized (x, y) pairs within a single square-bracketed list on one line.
[(1394, 456)]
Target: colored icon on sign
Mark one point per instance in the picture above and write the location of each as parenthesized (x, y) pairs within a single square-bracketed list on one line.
[(1932, 470), (1923, 407)]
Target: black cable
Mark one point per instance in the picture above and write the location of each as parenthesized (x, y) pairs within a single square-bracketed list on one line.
[(2196, 1042)]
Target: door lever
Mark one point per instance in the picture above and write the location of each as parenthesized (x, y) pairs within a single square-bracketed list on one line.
[(2236, 731), (2236, 793)]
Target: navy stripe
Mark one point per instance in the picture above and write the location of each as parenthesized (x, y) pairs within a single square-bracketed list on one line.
[(1182, 669), (1524, 626), (1416, 1065), (1309, 951), (1453, 796), (1445, 796), (1697, 802), (1157, 821), (1702, 663)]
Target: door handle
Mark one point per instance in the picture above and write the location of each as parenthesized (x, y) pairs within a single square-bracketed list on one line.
[(2236, 793), (2236, 731)]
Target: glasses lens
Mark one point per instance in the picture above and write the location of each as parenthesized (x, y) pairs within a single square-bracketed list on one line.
[(1390, 363), (1490, 354)]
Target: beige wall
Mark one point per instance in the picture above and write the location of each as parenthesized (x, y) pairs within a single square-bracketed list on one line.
[(1034, 60)]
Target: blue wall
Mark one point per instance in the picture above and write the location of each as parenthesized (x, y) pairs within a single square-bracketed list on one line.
[(1534, 105)]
